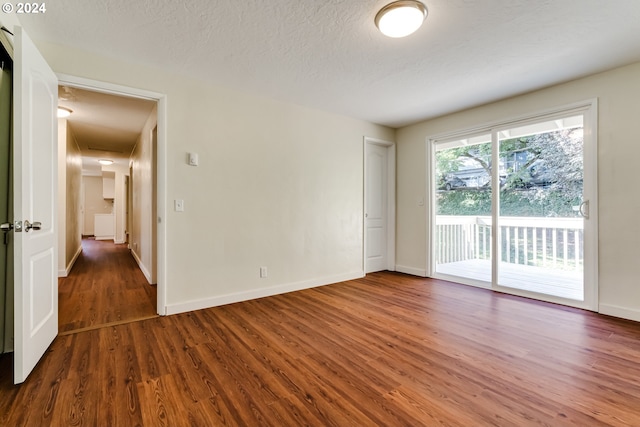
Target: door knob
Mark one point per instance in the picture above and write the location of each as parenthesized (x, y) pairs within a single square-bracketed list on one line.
[(36, 225)]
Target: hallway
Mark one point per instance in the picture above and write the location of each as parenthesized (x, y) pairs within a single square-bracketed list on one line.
[(105, 287)]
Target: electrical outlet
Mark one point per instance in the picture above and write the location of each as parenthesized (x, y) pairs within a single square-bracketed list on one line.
[(263, 272)]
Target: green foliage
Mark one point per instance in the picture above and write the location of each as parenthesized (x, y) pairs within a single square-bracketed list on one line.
[(537, 202), (546, 181), (464, 202)]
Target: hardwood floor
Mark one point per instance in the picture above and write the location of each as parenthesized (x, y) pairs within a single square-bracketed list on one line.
[(388, 349), (105, 286)]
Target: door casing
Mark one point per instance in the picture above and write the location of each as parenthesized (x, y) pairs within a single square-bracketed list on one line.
[(161, 166)]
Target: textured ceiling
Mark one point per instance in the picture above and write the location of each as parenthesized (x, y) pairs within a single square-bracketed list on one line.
[(328, 54), (105, 126)]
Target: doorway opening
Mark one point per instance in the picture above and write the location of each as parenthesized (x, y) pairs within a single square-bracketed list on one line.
[(108, 185)]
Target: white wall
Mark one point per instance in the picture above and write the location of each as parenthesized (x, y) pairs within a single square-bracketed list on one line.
[(62, 194), (119, 202), (278, 185), (73, 188), (94, 203), (618, 92), (69, 192), (142, 230)]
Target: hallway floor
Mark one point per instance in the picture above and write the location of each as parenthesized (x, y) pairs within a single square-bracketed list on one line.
[(104, 287)]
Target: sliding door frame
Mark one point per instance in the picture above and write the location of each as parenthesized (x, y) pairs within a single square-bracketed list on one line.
[(589, 110)]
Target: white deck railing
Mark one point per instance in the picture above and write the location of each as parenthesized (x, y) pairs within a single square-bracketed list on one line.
[(543, 242)]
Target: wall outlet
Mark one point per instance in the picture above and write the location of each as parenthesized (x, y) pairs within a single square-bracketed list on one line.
[(263, 272)]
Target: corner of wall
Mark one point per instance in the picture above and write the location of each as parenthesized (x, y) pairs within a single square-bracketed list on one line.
[(620, 312)]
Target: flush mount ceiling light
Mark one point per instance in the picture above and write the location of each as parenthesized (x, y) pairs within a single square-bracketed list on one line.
[(401, 18), (105, 162), (64, 112)]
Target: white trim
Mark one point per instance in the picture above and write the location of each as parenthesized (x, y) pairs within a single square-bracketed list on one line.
[(199, 304), (621, 312), (411, 270), (430, 210), (67, 270), (107, 88), (486, 128), (462, 280), (590, 193), (589, 109), (391, 200), (496, 235), (143, 268), (161, 184)]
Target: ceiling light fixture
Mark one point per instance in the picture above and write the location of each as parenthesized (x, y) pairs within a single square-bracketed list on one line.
[(401, 18), (64, 112), (105, 162)]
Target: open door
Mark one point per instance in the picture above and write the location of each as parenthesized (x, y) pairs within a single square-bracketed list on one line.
[(35, 205)]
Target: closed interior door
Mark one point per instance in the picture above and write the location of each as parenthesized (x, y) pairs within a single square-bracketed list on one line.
[(376, 207)]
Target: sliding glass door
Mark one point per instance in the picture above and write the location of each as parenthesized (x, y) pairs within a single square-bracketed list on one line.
[(511, 208), (541, 208), (463, 219)]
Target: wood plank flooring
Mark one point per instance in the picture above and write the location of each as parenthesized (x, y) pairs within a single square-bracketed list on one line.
[(105, 286), (388, 349)]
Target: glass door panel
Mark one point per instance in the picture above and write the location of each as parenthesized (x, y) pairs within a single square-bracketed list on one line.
[(462, 243), (540, 238)]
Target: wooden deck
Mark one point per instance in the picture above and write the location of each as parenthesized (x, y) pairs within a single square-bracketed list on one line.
[(555, 282)]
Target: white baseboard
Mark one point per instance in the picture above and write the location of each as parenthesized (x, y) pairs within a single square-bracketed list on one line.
[(622, 312), (184, 307), (143, 268), (67, 270), (410, 270)]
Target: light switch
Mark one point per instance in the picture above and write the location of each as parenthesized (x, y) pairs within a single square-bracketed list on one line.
[(178, 205), (193, 159)]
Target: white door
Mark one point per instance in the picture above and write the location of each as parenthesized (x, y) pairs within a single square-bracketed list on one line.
[(378, 201), (35, 202)]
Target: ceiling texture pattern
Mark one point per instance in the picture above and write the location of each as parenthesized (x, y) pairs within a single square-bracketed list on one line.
[(105, 126), (328, 54)]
